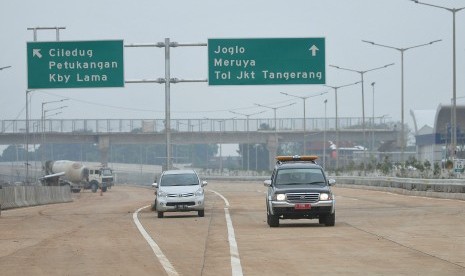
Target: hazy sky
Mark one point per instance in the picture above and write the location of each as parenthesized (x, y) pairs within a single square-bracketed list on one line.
[(343, 23)]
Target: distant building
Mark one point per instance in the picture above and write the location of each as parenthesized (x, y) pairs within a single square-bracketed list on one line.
[(433, 133)]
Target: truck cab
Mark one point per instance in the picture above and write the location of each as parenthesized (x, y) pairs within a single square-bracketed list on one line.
[(100, 178)]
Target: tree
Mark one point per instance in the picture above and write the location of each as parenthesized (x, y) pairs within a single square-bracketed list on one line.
[(201, 154), (386, 166), (14, 153), (258, 156)]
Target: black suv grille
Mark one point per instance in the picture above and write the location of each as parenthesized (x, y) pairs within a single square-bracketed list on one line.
[(303, 197)]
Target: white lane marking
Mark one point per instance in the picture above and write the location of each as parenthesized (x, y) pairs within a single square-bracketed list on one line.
[(236, 268), (156, 249)]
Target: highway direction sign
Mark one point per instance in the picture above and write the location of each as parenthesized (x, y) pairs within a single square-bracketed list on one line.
[(257, 61), (75, 64)]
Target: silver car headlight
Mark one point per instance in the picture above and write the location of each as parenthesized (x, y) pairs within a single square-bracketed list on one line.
[(162, 194), (325, 196), (199, 192), (280, 197)]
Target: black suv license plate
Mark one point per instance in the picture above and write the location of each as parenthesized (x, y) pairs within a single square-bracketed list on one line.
[(302, 206)]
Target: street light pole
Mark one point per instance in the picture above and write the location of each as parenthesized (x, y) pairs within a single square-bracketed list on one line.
[(363, 101), (248, 133), (222, 125), (402, 50), (305, 118), (27, 135), (324, 139), (373, 120), (337, 123), (43, 112), (454, 76), (275, 125)]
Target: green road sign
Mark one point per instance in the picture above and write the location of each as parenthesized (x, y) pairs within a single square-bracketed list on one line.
[(459, 165), (259, 61), (75, 64)]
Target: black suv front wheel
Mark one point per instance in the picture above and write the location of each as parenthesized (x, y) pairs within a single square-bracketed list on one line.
[(272, 220), (328, 220)]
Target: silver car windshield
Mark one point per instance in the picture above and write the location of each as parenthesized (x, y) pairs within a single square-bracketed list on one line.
[(179, 180), (300, 176)]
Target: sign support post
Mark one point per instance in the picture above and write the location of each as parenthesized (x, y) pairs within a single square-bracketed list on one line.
[(167, 81)]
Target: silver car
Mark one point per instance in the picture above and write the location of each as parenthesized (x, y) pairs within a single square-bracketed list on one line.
[(179, 191)]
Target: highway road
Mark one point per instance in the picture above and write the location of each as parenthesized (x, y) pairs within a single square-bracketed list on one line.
[(376, 233)]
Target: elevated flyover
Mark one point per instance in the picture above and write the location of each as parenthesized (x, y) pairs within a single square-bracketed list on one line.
[(106, 132)]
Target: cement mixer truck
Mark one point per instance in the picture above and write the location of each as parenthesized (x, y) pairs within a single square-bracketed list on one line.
[(65, 172), (77, 176)]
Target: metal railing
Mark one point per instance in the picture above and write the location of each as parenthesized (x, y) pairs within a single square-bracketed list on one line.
[(187, 125)]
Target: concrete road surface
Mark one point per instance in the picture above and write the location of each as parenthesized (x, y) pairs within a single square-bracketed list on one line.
[(376, 233)]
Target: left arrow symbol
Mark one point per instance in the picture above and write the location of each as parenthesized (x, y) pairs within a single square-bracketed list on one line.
[(36, 52)]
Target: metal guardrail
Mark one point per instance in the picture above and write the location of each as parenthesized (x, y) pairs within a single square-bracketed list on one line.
[(189, 125)]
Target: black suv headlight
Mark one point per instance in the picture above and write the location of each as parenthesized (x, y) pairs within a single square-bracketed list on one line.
[(279, 197), (326, 196)]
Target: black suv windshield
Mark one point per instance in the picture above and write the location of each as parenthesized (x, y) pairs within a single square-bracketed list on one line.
[(179, 180), (297, 176)]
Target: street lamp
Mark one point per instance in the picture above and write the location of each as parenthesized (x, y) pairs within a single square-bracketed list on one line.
[(305, 119), (324, 139), (43, 113), (222, 122), (402, 50), (363, 100), (56, 113), (275, 125), (337, 123), (27, 135), (248, 133), (454, 78), (373, 119)]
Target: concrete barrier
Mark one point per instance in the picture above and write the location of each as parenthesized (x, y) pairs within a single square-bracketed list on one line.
[(438, 188), (22, 196)]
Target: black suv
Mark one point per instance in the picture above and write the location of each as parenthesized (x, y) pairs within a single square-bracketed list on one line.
[(299, 189)]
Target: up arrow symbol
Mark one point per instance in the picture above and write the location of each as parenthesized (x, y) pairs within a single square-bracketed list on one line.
[(314, 49), (36, 52)]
